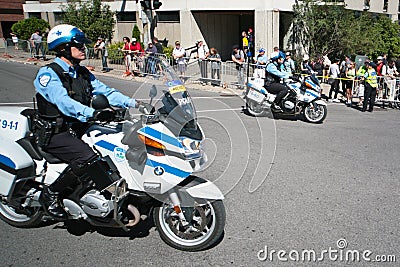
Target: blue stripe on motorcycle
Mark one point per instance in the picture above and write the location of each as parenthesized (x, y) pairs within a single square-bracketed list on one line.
[(161, 136), (7, 161), (167, 168), (106, 145), (311, 93)]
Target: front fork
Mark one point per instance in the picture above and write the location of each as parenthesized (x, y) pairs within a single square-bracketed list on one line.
[(177, 207)]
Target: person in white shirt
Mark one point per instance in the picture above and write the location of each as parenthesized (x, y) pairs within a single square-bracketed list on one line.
[(202, 54), (334, 73), (179, 55)]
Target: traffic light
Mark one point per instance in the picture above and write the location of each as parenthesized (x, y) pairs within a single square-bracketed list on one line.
[(156, 4), (146, 4)]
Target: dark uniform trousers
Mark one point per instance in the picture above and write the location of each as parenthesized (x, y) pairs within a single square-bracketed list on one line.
[(369, 97), (72, 150)]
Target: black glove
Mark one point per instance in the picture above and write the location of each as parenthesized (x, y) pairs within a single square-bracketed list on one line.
[(294, 78), (104, 115), (144, 108)]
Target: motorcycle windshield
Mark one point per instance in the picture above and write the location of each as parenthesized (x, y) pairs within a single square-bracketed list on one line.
[(170, 98)]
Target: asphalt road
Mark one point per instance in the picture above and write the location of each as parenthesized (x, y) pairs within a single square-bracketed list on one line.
[(331, 188)]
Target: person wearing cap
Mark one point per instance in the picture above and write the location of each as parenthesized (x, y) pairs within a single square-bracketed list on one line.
[(261, 63), (179, 55), (288, 64), (273, 76), (239, 58), (371, 84), (202, 54)]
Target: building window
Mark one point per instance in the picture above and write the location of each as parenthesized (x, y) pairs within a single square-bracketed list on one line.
[(126, 16), (385, 5), (59, 17), (168, 16), (35, 15)]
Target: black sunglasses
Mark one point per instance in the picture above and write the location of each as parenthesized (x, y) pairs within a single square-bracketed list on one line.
[(80, 46)]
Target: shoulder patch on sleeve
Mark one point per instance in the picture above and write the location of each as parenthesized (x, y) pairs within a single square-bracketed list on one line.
[(44, 79)]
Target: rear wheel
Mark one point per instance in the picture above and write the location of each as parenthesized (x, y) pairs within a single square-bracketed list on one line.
[(315, 113), (30, 218), (205, 227)]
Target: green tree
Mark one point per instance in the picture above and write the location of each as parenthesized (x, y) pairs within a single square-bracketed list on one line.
[(93, 18), (24, 28), (136, 32), (330, 29)]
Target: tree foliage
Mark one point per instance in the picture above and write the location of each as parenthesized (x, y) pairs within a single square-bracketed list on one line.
[(330, 29), (93, 18), (24, 28)]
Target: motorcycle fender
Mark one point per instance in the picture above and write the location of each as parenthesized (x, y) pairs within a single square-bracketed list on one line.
[(320, 102), (200, 188), (14, 161)]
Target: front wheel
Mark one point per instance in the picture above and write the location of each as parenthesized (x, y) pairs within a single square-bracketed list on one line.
[(315, 113), (30, 218), (255, 109), (205, 227)]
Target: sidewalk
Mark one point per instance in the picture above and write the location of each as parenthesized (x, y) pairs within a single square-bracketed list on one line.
[(118, 74)]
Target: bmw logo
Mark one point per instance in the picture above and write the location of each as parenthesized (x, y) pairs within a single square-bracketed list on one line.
[(158, 171)]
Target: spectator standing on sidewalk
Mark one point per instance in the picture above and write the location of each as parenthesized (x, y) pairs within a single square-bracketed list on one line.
[(334, 73), (350, 77), (158, 46), (37, 44), (137, 56), (127, 49), (318, 67), (261, 63), (371, 84), (104, 56), (202, 54), (215, 59), (98, 48), (245, 42), (239, 59), (343, 67), (179, 55), (14, 38), (390, 75)]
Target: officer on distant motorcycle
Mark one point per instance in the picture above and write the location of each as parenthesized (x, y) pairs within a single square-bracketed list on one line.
[(273, 75), (64, 92)]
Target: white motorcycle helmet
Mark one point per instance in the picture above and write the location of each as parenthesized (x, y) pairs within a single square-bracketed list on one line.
[(65, 34)]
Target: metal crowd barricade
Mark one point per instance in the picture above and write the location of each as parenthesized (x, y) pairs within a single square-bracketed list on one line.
[(21, 49)]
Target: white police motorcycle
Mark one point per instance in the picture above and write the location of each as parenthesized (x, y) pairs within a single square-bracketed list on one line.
[(153, 157), (303, 98)]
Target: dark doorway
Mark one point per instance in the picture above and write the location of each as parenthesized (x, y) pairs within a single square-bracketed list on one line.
[(6, 28), (223, 29)]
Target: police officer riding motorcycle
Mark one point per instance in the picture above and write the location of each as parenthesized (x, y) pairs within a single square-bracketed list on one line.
[(64, 91), (273, 74)]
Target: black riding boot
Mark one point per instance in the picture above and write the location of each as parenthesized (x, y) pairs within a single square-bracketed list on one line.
[(49, 198)]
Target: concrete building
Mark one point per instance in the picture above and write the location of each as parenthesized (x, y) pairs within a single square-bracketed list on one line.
[(10, 13), (218, 23)]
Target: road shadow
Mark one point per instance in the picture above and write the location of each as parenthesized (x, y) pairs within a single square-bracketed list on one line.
[(81, 227)]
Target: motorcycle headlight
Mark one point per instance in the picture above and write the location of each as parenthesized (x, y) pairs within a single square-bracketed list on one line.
[(192, 147)]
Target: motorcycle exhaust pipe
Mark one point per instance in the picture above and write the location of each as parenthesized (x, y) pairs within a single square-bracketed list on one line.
[(136, 214)]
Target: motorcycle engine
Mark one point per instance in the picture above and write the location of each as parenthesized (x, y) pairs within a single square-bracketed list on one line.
[(288, 105), (95, 204)]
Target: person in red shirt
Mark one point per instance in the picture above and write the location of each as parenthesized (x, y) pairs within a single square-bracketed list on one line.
[(127, 49), (138, 54)]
